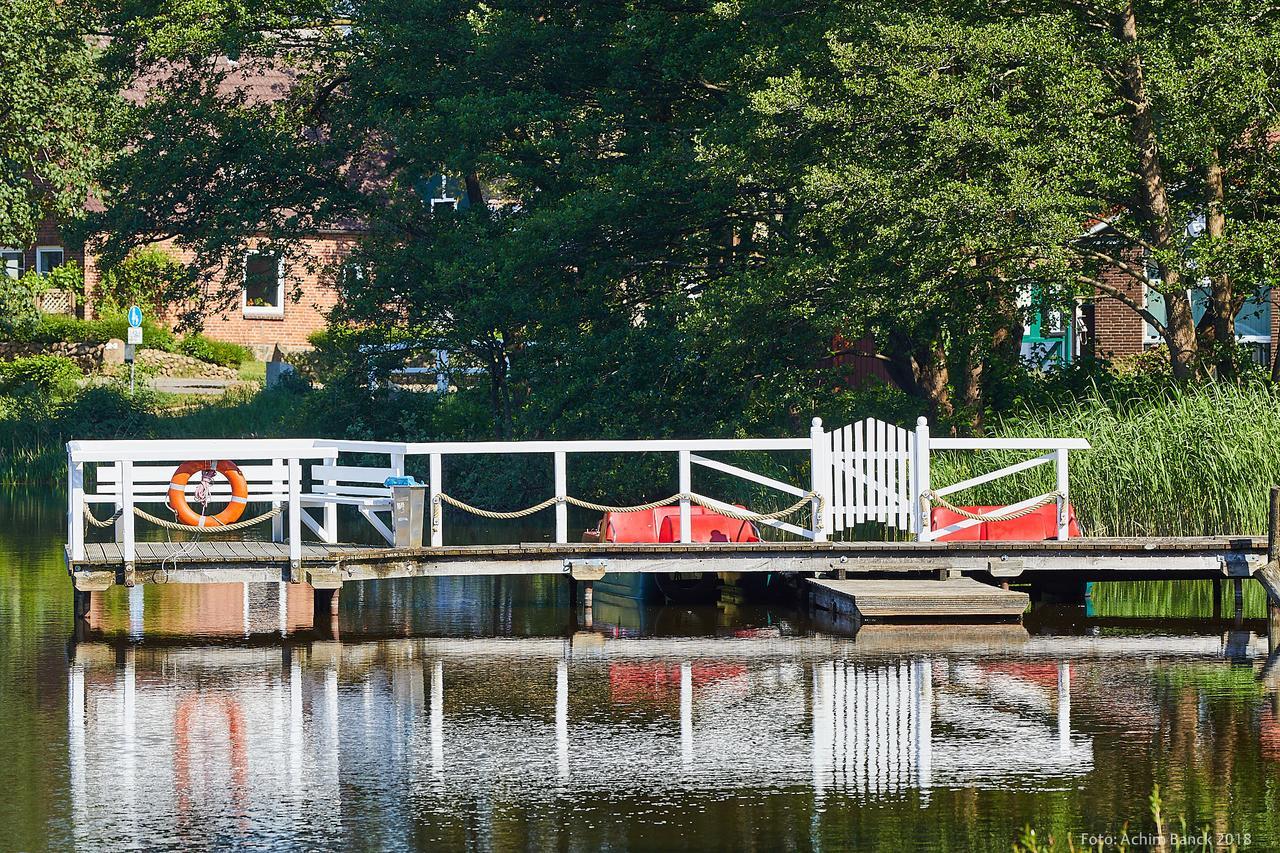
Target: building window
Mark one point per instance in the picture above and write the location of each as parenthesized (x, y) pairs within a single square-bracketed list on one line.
[(11, 263), (263, 294), (444, 204), (49, 258)]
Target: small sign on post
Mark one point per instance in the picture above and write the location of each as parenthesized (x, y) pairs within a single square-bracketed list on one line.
[(135, 339)]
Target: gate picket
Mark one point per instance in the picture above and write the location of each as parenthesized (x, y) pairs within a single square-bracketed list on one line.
[(871, 477)]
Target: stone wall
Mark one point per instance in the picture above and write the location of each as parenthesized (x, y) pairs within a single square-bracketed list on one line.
[(87, 356)]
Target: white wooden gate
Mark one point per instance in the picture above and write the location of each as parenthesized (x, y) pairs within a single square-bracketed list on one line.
[(871, 475)]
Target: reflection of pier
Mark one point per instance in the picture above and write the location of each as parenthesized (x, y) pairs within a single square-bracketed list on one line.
[(243, 740), (881, 729)]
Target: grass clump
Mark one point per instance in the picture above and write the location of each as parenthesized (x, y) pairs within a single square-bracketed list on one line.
[(222, 353)]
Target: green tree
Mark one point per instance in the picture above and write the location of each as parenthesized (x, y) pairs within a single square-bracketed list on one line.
[(52, 116), (1187, 132)]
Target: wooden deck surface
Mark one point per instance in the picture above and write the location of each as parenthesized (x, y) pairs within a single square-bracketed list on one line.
[(332, 565), (957, 598)]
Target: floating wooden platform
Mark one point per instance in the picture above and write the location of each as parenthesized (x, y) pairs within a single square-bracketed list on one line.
[(329, 566), (917, 598)]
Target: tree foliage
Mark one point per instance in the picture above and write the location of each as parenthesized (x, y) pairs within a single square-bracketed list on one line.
[(53, 109), (668, 215)]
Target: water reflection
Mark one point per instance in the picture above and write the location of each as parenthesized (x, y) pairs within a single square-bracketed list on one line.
[(249, 741)]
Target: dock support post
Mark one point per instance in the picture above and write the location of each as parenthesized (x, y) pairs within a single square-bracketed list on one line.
[(586, 603), (1217, 598), (562, 489), (81, 602), (325, 602), (686, 486)]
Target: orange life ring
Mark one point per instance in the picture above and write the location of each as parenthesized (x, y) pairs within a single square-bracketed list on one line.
[(178, 493)]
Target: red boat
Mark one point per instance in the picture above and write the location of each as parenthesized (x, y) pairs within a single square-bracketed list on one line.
[(1038, 526), (663, 525)]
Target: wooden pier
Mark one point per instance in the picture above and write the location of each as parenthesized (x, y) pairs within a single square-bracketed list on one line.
[(867, 474)]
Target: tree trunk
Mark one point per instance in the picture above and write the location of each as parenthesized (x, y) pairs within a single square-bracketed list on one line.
[(921, 371), (1154, 208), (499, 390), (475, 197), (1224, 304), (932, 377), (971, 397)]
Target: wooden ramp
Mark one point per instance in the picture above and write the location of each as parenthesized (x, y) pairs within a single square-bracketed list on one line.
[(958, 598)]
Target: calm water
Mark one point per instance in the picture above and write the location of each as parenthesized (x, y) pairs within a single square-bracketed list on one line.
[(466, 715)]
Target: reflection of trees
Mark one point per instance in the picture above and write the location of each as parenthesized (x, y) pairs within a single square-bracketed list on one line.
[(35, 608)]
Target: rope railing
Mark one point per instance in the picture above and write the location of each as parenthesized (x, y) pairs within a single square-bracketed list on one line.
[(716, 506), (174, 525), (1006, 515)]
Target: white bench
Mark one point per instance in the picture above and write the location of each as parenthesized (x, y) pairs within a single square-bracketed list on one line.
[(349, 485)]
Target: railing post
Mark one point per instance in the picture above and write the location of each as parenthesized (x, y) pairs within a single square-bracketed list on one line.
[(295, 519), (127, 518), (436, 486), (562, 489), (118, 527), (277, 523), (821, 510), (686, 486), (1064, 487), (75, 508), (919, 501)]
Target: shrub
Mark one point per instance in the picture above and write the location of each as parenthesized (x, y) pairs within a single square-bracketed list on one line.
[(67, 276), (57, 328), (46, 376), (222, 353), (148, 277), (18, 312)]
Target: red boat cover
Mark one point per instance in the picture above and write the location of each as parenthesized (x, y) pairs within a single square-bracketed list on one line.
[(663, 525), (1036, 527)]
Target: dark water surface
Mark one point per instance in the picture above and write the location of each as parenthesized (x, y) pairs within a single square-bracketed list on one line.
[(465, 714)]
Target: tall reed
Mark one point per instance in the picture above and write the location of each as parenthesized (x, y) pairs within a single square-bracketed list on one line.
[(1181, 462)]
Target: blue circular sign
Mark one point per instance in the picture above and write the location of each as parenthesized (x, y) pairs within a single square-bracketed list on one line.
[(135, 316)]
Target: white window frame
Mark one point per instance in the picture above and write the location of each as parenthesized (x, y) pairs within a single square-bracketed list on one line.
[(44, 250), (259, 311), (444, 199), (22, 260)]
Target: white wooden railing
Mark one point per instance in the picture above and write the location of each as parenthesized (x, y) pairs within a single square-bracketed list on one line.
[(127, 474), (867, 471), (925, 446)]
